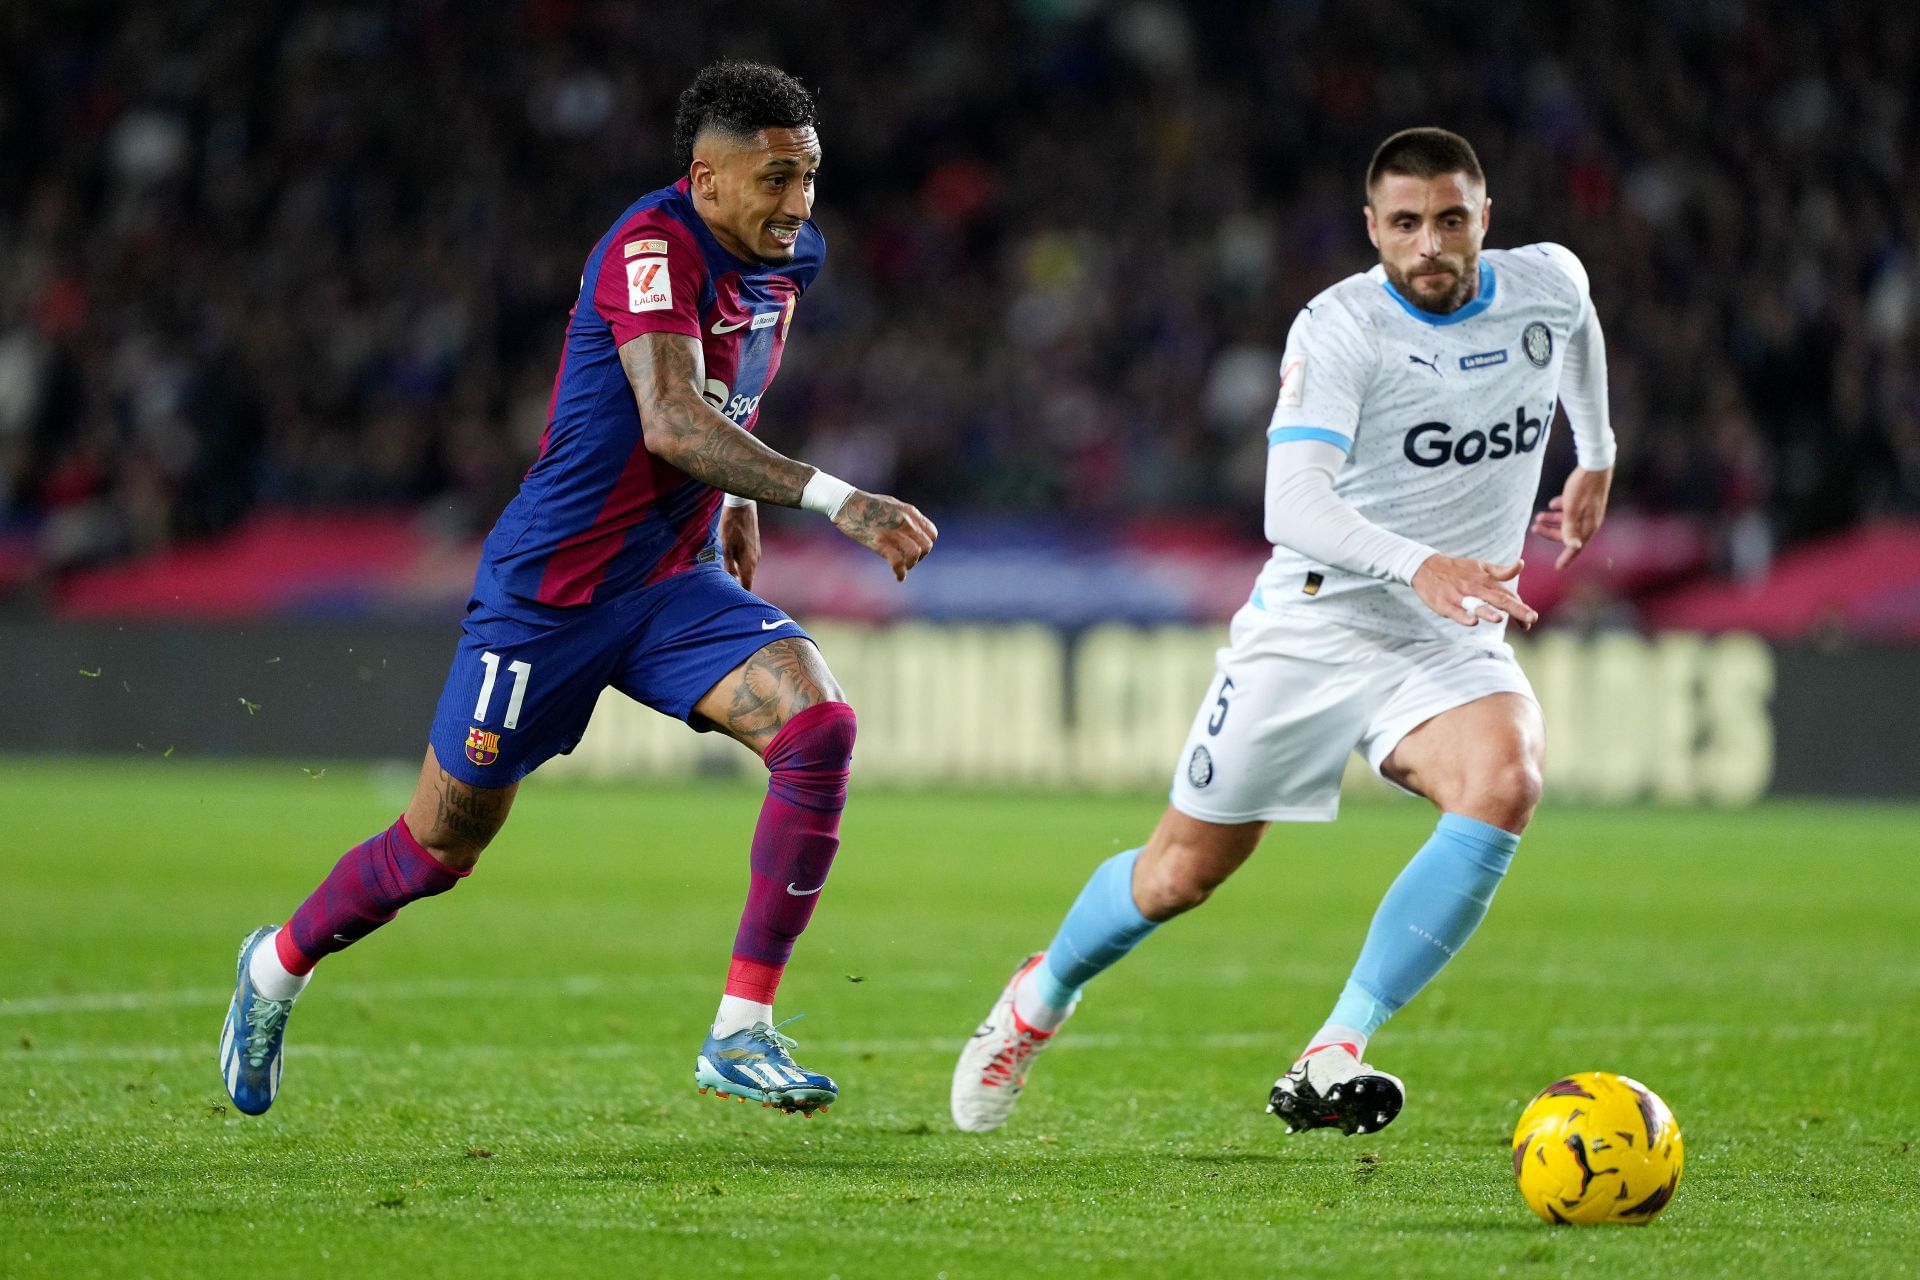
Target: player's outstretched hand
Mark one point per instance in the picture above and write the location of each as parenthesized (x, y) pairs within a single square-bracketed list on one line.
[(740, 542), (892, 529), (1575, 515), (1470, 591)]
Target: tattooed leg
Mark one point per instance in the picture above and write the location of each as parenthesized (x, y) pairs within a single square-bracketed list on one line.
[(452, 820), (754, 701)]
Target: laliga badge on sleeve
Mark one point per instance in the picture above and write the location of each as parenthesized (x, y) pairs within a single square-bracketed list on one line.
[(1293, 384), (649, 286)]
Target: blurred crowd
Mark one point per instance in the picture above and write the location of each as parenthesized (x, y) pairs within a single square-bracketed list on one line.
[(322, 253)]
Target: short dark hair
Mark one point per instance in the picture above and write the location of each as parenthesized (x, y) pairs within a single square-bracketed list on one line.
[(739, 98), (1424, 153)]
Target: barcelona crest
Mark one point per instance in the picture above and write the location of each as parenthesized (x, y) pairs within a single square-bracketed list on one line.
[(482, 747)]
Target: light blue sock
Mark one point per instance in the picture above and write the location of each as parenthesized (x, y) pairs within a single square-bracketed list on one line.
[(1426, 917), (1102, 926)]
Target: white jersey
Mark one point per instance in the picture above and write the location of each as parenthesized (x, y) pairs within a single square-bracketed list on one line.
[(1444, 419)]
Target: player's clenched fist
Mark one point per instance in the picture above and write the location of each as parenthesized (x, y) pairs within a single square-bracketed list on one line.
[(892, 529), (1470, 591)]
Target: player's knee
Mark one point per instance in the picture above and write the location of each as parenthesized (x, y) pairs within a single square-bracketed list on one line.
[(452, 853), (810, 761), (820, 737), (456, 827), (833, 735), (1169, 886), (457, 848), (1509, 793)]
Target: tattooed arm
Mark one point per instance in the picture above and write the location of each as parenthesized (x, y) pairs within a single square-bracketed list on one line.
[(667, 371)]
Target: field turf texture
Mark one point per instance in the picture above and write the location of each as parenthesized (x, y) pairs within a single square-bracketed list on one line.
[(500, 1083)]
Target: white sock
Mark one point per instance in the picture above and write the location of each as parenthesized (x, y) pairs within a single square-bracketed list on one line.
[(738, 1013), (1031, 1006), (270, 977), (1334, 1033)]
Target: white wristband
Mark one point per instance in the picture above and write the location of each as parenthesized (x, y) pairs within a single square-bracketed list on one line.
[(825, 494), (735, 500)]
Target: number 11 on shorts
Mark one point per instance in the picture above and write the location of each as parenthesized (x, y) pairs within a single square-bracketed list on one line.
[(520, 671)]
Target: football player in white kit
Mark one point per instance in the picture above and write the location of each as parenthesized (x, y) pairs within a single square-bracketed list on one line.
[(1403, 459)]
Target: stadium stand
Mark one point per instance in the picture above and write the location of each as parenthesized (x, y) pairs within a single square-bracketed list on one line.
[(318, 257)]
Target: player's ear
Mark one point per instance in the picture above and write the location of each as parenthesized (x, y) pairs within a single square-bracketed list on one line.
[(1486, 214), (702, 178), (1373, 229)]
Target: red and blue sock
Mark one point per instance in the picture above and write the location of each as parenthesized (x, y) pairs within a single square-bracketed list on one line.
[(809, 763), (365, 889)]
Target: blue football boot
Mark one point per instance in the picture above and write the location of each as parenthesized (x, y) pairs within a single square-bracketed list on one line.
[(758, 1064), (250, 1042)]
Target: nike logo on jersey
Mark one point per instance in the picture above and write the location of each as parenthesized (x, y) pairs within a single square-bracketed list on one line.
[(777, 622), (805, 893), (720, 326), (1433, 364)]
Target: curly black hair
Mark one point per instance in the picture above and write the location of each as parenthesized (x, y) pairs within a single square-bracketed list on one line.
[(739, 98)]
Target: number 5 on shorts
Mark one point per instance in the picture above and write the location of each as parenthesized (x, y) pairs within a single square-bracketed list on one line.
[(520, 671), (1214, 725)]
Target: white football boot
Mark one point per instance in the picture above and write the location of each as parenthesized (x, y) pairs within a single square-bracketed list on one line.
[(1331, 1088), (994, 1064)]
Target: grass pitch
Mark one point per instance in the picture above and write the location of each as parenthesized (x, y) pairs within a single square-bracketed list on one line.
[(500, 1082)]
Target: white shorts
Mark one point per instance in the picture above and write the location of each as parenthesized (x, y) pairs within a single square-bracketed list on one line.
[(1274, 732)]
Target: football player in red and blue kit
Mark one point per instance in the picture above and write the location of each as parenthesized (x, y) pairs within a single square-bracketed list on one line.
[(626, 561)]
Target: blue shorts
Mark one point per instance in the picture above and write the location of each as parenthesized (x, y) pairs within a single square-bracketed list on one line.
[(526, 676)]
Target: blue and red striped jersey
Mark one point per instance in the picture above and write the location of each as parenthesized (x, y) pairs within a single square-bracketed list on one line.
[(597, 514)]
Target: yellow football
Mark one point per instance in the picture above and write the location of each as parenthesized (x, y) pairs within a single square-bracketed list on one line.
[(1597, 1147)]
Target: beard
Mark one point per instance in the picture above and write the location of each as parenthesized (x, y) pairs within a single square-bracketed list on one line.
[(1466, 283)]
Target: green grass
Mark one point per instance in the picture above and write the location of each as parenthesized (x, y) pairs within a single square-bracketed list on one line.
[(499, 1084)]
